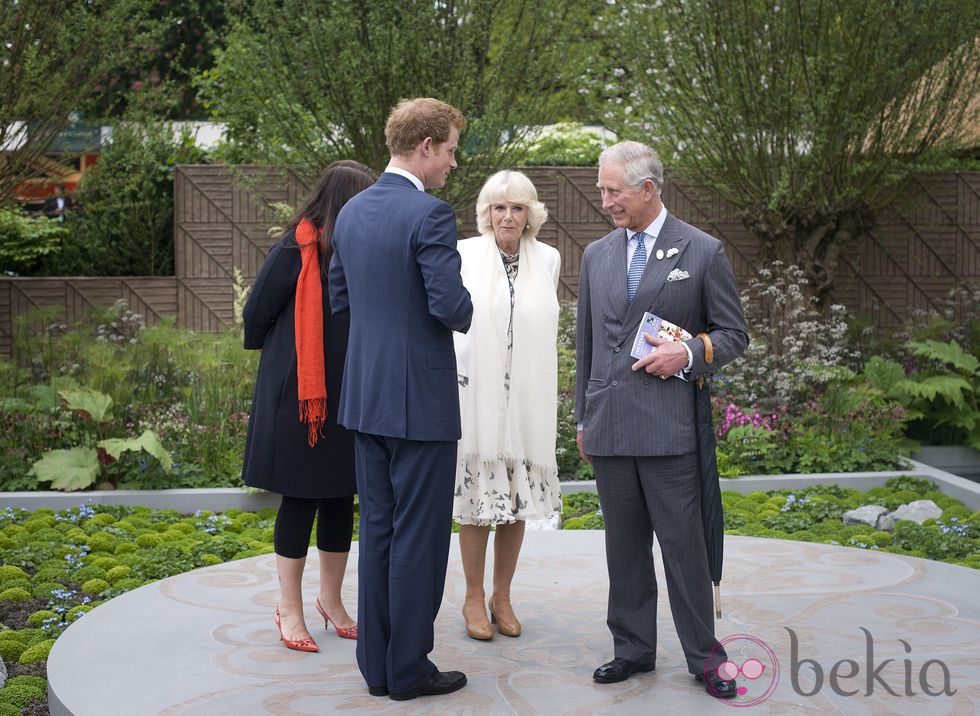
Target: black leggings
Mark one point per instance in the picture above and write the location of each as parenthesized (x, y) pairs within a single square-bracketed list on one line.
[(294, 523)]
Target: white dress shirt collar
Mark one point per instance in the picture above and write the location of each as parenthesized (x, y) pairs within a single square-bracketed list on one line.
[(653, 230), (408, 175)]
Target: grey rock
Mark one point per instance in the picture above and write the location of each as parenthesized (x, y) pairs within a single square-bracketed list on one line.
[(886, 523), (3, 673), (866, 515), (918, 511)]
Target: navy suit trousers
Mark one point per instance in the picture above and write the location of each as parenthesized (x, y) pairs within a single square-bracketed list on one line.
[(405, 488)]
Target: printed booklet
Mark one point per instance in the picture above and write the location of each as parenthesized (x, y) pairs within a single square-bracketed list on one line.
[(656, 326)]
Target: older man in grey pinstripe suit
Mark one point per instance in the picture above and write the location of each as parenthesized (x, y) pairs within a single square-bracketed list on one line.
[(636, 421)]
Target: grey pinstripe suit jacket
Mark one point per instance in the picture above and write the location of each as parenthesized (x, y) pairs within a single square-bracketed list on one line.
[(636, 414)]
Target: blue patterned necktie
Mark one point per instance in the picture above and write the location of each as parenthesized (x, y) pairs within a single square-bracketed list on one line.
[(637, 264)]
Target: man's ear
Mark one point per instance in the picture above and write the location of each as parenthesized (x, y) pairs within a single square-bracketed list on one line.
[(649, 189), (426, 145)]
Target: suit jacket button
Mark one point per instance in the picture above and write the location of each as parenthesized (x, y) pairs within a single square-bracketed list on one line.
[(617, 349), (646, 381), (615, 383), (604, 316)]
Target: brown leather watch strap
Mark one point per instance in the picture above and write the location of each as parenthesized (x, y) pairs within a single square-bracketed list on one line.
[(709, 351)]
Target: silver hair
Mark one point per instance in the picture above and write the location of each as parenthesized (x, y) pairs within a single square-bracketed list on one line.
[(514, 187), (639, 161)]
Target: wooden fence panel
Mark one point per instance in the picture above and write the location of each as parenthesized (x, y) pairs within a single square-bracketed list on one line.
[(923, 246)]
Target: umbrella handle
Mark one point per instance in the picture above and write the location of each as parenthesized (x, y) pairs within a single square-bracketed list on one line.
[(717, 602)]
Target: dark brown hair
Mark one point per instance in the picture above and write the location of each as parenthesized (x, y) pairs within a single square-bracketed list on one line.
[(412, 120), (341, 181)]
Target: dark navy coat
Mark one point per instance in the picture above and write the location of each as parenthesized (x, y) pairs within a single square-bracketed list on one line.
[(277, 457), (395, 271)]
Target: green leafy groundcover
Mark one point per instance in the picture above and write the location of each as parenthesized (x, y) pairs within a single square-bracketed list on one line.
[(57, 566), (813, 514)]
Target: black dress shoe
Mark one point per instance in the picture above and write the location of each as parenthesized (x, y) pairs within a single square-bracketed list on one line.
[(378, 690), (718, 687), (441, 682), (619, 670)]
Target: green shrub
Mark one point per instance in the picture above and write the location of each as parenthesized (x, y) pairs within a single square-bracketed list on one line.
[(102, 542), (100, 520), (50, 574), (17, 584), (73, 613), (11, 649), (17, 594), (118, 572), (579, 503), (127, 226), (591, 521), (38, 618), (26, 240), (42, 590), (148, 540), (105, 563), (7, 709), (20, 695), (126, 584), (37, 652), (95, 587), (565, 144), (9, 572), (89, 571), (37, 682), (126, 548)]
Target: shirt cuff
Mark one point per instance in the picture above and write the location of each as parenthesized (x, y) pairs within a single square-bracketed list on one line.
[(690, 358), (580, 426)]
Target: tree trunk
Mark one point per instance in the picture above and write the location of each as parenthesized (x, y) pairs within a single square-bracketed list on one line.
[(814, 242)]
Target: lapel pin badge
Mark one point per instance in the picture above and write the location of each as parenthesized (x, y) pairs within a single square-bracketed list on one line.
[(660, 254)]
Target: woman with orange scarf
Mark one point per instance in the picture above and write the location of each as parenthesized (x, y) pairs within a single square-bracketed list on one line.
[(294, 445)]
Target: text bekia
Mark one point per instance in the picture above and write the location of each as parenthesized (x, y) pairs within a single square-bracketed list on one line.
[(850, 669)]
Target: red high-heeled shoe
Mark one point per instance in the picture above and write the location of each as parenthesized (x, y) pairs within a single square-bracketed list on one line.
[(342, 632), (299, 645)]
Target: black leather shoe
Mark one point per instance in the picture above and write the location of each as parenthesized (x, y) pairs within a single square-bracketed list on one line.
[(718, 687), (441, 682), (619, 670), (378, 690)]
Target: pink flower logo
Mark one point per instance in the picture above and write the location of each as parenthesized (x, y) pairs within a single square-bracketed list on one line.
[(751, 663)]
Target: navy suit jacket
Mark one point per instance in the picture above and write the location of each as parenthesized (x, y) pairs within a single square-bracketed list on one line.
[(396, 270)]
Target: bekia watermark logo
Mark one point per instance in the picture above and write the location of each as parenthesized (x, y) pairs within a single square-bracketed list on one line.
[(847, 678), (752, 664)]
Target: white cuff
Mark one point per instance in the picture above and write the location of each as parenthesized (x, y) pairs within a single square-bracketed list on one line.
[(690, 358)]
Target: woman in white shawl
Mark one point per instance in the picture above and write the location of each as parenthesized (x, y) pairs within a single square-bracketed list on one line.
[(508, 391)]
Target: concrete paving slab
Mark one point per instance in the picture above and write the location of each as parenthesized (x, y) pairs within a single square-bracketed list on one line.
[(837, 630)]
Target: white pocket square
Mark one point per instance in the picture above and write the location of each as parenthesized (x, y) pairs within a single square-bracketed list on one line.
[(678, 275)]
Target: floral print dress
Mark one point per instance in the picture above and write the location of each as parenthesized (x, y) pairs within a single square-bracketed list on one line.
[(488, 501)]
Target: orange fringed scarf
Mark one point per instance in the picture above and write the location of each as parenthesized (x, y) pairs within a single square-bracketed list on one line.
[(310, 365)]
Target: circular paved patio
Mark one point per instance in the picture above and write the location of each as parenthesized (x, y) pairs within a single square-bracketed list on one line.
[(203, 643)]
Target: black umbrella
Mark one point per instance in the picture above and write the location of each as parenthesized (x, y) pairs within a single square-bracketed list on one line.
[(712, 516)]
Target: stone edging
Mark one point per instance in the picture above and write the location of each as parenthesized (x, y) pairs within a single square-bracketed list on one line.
[(966, 491), (227, 498)]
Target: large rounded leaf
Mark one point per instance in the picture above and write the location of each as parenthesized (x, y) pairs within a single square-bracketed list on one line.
[(148, 441), (88, 403), (73, 469)]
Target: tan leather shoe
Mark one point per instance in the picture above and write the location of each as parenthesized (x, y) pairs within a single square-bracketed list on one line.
[(510, 627), (478, 627)]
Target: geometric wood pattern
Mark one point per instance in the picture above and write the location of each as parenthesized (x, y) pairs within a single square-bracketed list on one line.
[(923, 245), (71, 299)]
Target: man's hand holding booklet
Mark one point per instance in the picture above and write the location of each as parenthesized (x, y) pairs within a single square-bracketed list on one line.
[(656, 326)]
